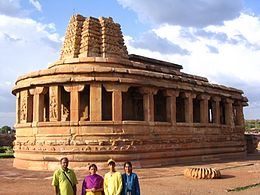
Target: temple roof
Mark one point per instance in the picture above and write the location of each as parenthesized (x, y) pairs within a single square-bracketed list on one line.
[(142, 59)]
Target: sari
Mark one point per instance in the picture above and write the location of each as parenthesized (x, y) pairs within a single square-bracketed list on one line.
[(130, 184), (92, 181)]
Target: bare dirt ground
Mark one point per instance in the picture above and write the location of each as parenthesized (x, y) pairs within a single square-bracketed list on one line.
[(164, 181)]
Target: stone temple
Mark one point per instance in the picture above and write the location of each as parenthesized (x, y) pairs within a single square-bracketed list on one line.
[(97, 102)]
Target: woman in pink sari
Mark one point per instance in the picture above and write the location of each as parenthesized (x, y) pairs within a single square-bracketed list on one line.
[(93, 183)]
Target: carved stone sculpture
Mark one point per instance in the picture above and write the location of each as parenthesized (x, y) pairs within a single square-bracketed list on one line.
[(202, 173)]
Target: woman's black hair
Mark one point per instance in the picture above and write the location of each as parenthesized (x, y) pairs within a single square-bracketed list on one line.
[(128, 163), (92, 165)]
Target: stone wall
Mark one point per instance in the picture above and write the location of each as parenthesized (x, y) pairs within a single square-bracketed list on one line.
[(7, 139), (252, 142)]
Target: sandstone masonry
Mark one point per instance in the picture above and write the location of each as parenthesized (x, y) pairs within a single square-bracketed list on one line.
[(97, 102)]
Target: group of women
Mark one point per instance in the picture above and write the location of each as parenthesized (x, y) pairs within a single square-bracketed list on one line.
[(113, 182)]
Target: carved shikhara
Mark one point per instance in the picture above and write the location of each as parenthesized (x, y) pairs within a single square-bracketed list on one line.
[(92, 37), (202, 173)]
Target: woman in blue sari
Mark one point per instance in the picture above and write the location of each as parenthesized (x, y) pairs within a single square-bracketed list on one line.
[(130, 181)]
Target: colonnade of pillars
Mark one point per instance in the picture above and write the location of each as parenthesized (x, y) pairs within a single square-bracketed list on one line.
[(212, 109)]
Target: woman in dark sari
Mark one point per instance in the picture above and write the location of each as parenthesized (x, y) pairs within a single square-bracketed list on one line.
[(130, 181), (93, 183)]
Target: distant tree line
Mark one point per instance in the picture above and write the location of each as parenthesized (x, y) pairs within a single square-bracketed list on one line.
[(252, 126), (6, 130)]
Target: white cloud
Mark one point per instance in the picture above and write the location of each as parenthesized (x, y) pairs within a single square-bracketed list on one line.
[(36, 4), (185, 12), (152, 42), (236, 62), (246, 25), (26, 46)]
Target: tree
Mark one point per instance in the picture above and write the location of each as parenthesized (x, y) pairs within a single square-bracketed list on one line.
[(5, 129)]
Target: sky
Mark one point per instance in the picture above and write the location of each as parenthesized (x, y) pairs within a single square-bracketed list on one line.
[(216, 39)]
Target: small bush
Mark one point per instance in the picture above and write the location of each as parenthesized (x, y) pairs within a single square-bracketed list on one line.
[(2, 150), (6, 152)]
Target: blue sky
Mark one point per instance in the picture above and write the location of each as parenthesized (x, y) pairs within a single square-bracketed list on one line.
[(217, 39)]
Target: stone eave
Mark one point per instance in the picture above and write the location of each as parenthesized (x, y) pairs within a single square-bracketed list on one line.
[(78, 73), (78, 60)]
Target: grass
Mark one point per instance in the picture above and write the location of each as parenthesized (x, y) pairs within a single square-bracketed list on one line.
[(6, 155), (6, 152), (238, 189)]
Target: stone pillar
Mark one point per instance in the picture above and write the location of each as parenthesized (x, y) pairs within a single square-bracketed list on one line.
[(24, 108), (148, 94), (74, 101), (240, 114), (229, 115), (204, 108), (95, 102), (171, 105), (38, 103), (17, 107), (188, 107), (116, 99), (216, 109), (55, 103)]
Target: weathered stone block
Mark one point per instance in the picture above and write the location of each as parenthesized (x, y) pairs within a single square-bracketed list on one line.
[(202, 173)]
